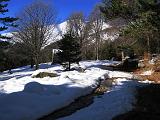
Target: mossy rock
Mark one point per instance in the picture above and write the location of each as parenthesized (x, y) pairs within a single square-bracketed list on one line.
[(79, 69), (45, 74)]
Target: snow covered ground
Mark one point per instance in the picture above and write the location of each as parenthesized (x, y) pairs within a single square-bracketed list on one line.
[(25, 98), (117, 101), (149, 72)]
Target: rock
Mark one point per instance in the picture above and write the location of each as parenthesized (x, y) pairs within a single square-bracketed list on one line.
[(44, 74)]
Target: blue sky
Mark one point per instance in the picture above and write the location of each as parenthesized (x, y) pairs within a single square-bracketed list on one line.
[(64, 7)]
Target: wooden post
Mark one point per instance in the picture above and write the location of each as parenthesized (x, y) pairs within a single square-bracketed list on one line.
[(52, 55), (122, 55)]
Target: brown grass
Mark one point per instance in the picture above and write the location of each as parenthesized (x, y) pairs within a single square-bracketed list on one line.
[(155, 67), (147, 98)]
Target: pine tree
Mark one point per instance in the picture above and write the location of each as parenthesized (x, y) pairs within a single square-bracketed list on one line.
[(70, 50), (5, 22), (143, 17), (126, 9)]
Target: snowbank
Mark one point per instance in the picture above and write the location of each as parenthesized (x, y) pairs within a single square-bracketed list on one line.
[(25, 98), (97, 63), (117, 101), (149, 72)]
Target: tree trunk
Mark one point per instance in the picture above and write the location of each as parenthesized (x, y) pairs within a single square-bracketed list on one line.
[(53, 53), (122, 53), (97, 54), (97, 50), (37, 62), (32, 62), (69, 65), (148, 45)]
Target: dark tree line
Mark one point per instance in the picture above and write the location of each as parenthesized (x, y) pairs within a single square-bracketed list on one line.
[(5, 23), (143, 16)]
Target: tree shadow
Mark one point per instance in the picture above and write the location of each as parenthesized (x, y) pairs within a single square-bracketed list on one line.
[(38, 99)]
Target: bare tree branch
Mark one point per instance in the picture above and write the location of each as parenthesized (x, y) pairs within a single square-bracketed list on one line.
[(36, 25)]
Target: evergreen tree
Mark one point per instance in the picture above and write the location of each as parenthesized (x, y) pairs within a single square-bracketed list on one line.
[(3, 46), (5, 22), (70, 50), (126, 9), (144, 21), (108, 51), (146, 28)]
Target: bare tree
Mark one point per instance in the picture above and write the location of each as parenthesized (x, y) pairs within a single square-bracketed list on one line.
[(36, 25), (96, 22), (78, 26)]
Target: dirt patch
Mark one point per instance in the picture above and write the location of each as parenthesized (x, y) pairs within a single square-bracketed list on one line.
[(147, 98), (155, 76)]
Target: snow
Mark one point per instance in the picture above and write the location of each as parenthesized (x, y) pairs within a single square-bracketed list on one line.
[(25, 98), (61, 29), (7, 35), (116, 74), (20, 93), (97, 63), (117, 101), (111, 37), (149, 72), (105, 26)]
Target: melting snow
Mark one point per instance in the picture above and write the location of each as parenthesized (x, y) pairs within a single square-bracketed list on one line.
[(25, 98)]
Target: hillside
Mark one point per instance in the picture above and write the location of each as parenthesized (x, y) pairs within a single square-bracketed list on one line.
[(110, 30)]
